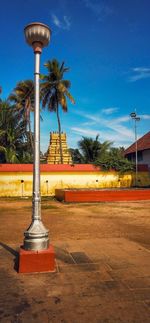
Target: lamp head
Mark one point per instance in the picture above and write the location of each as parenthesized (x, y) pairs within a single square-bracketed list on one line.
[(133, 115), (37, 35)]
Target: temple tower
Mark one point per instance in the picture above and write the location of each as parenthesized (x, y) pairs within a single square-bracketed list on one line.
[(53, 156)]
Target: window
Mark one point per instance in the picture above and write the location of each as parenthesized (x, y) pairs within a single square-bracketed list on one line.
[(140, 155)]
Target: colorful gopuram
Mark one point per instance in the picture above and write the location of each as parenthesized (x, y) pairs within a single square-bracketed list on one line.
[(53, 156)]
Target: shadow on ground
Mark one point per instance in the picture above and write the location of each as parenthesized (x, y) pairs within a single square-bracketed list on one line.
[(13, 252)]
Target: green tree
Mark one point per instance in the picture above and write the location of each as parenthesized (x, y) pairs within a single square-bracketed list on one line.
[(77, 157), (0, 93), (23, 99), (54, 92), (13, 140), (114, 159), (91, 149)]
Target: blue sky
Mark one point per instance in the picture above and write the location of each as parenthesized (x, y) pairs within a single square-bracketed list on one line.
[(105, 43)]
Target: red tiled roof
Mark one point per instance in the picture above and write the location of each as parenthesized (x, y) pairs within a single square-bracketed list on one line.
[(142, 144), (48, 168)]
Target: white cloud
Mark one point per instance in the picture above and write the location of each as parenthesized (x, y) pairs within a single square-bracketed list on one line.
[(85, 132), (145, 116), (122, 119), (113, 123), (67, 22), (64, 23), (104, 135), (99, 8), (109, 110), (139, 73), (56, 21), (88, 123), (110, 129)]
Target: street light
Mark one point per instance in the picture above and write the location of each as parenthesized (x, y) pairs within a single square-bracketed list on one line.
[(134, 117), (36, 236)]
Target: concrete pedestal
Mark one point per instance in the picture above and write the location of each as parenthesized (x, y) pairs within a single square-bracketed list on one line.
[(36, 261)]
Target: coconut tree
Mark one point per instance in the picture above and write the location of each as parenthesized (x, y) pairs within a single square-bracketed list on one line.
[(54, 92), (77, 157), (91, 149), (12, 134), (23, 99)]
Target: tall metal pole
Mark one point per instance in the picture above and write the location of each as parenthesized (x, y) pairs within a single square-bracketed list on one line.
[(135, 118), (36, 215), (136, 157), (36, 236)]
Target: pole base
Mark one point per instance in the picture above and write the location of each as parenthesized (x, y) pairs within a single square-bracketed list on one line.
[(36, 236), (36, 244), (36, 261)]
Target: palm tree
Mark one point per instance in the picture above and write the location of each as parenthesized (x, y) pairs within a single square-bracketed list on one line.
[(77, 157), (12, 134), (0, 92), (91, 149), (23, 99), (54, 92)]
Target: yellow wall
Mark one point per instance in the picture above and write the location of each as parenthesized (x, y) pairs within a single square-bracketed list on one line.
[(10, 183)]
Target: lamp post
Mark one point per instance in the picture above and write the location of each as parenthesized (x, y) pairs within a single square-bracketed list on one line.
[(36, 236), (134, 117)]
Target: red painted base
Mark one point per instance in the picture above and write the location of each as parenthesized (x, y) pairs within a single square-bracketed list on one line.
[(93, 195), (36, 261)]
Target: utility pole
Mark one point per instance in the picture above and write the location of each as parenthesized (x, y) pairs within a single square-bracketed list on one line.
[(134, 117)]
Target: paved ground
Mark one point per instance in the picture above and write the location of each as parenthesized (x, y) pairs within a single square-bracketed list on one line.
[(103, 264)]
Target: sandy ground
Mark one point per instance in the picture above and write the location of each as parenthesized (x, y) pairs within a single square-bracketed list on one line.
[(103, 263)]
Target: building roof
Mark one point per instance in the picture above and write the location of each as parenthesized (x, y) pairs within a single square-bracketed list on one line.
[(48, 168), (142, 144)]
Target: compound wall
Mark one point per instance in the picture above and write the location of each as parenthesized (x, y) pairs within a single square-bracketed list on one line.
[(16, 179)]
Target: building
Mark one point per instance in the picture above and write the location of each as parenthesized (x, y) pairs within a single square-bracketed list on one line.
[(53, 156), (143, 150)]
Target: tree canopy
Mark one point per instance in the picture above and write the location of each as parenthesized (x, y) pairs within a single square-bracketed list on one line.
[(92, 151), (23, 99), (13, 140), (114, 159), (54, 92)]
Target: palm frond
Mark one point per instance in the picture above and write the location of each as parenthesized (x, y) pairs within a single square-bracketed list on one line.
[(63, 103), (70, 97)]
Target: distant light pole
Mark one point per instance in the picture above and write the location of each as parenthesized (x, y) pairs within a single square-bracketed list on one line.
[(134, 117), (36, 236)]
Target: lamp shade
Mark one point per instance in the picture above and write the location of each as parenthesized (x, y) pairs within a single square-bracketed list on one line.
[(133, 115), (37, 32)]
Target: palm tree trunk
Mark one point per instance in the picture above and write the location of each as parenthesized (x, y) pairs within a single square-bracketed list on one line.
[(59, 130)]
